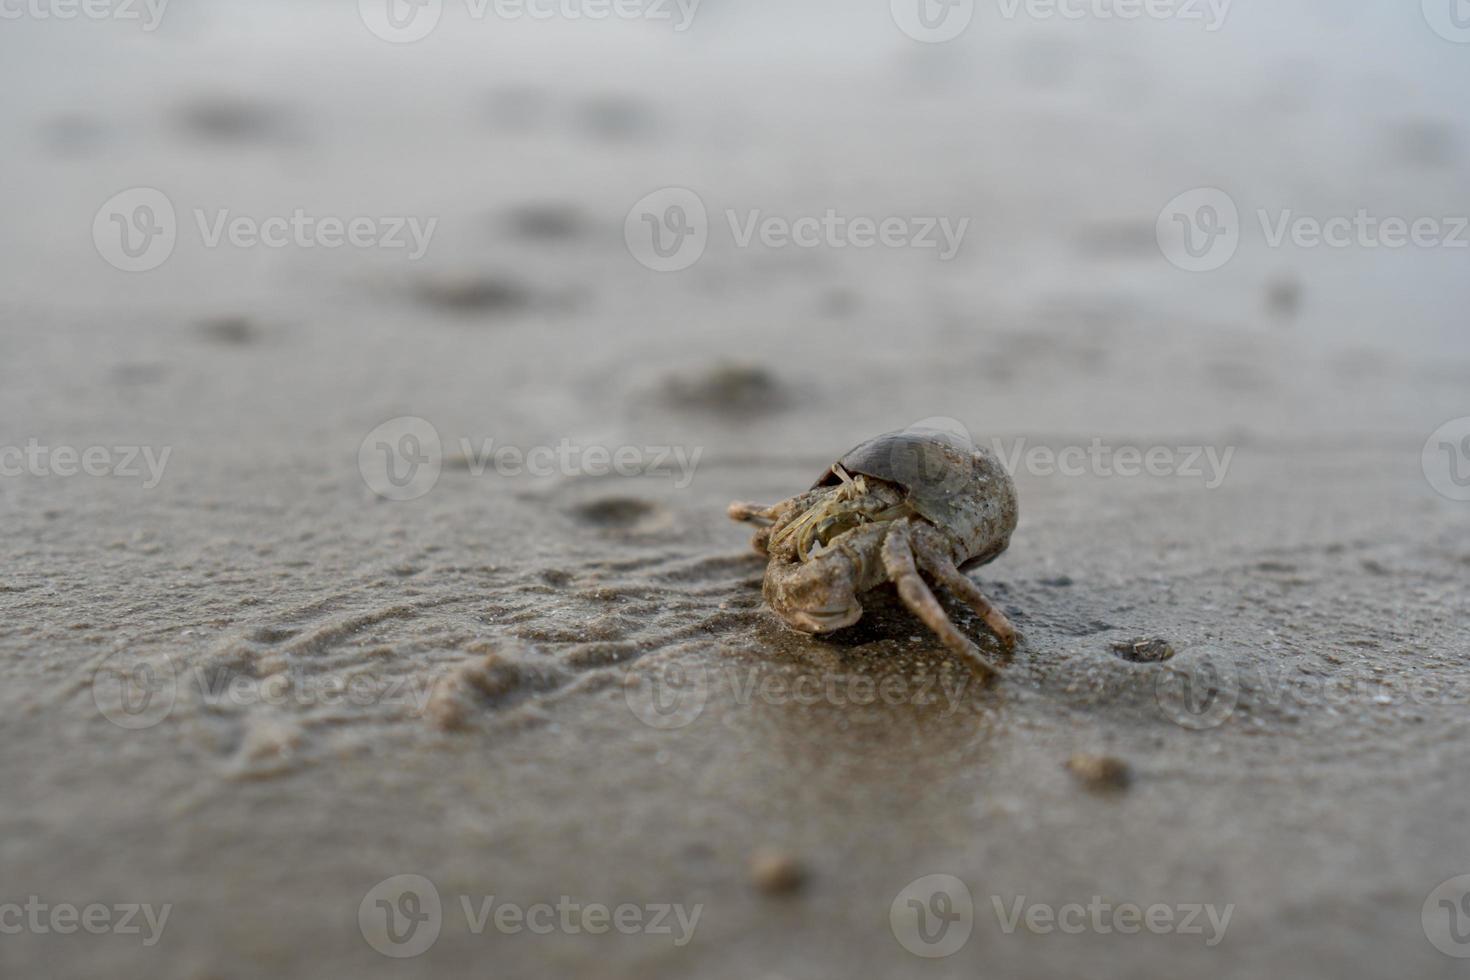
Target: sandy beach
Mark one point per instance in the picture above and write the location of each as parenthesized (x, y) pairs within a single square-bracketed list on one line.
[(371, 608)]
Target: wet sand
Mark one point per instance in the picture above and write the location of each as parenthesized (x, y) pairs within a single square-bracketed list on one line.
[(568, 686)]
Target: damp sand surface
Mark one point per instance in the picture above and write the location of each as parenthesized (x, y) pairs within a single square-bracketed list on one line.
[(532, 688)]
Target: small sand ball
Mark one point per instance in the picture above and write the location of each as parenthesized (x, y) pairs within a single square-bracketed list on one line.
[(451, 703), (1100, 772), (777, 872), (270, 738)]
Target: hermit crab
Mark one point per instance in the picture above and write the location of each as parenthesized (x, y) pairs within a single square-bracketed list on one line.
[(920, 498)]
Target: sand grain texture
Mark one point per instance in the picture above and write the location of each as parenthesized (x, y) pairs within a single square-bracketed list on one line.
[(534, 688)]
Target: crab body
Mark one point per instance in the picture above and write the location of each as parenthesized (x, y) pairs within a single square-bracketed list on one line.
[(904, 501)]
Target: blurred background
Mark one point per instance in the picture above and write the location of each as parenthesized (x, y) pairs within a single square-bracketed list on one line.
[(256, 233), (1060, 134)]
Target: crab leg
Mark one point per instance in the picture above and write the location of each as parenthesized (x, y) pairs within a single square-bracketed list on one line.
[(763, 517), (898, 559), (775, 513), (753, 513), (768, 519), (938, 564), (777, 519)]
